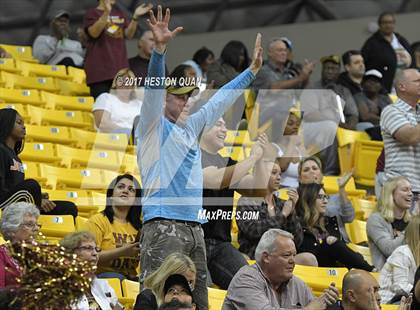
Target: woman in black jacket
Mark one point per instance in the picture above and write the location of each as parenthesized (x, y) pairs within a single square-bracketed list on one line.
[(387, 50), (13, 186), (321, 235)]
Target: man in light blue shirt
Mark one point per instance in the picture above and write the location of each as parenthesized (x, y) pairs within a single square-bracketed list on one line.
[(169, 159)]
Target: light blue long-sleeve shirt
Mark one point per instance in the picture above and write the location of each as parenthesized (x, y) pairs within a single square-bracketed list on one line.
[(169, 155)]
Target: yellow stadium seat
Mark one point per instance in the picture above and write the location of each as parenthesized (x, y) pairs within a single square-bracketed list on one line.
[(41, 70), (28, 82), (8, 64), (68, 88), (319, 278), (98, 200), (77, 158), (20, 96), (363, 207), (366, 154), (389, 307), (39, 152), (81, 223), (240, 137), (19, 52), (2, 241), (88, 139), (235, 152), (77, 75), (356, 231), (130, 290), (216, 298), (129, 164), (32, 172), (331, 187), (56, 226), (115, 283), (77, 119), (81, 198), (74, 178), (51, 134), (58, 102), (346, 140), (21, 109), (362, 250)]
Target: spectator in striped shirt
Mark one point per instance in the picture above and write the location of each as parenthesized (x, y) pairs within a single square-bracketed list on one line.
[(400, 123)]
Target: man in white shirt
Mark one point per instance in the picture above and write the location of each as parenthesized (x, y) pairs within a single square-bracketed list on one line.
[(57, 48)]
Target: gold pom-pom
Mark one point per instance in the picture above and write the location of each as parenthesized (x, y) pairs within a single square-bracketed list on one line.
[(50, 277)]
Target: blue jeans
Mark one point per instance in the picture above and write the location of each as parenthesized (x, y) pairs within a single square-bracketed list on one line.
[(223, 262)]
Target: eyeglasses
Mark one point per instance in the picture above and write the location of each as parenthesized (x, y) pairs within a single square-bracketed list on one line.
[(89, 248), (31, 225), (181, 291), (323, 197)]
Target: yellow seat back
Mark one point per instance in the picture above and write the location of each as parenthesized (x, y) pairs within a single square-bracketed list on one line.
[(319, 278), (56, 226), (366, 154), (356, 231), (216, 298), (346, 140), (29, 96)]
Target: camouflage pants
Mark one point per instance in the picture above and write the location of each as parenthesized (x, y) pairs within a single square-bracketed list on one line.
[(162, 237)]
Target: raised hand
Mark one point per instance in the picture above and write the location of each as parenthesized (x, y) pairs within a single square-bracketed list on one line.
[(331, 295), (405, 303), (160, 30), (107, 6), (257, 58), (142, 9), (341, 182)]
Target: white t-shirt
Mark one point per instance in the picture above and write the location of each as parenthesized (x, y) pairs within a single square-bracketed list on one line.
[(289, 178), (122, 113)]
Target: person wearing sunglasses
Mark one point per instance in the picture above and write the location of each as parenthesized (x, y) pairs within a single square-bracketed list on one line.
[(101, 294), (321, 235), (18, 224)]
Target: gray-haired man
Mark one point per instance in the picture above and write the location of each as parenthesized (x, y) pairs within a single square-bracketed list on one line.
[(270, 284)]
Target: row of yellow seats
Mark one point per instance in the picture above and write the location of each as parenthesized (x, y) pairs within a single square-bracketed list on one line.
[(79, 138), (42, 117), (52, 177), (46, 100), (50, 84), (21, 52), (25, 68), (39, 116), (69, 157)]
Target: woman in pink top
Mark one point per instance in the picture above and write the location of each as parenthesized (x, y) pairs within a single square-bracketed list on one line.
[(18, 224)]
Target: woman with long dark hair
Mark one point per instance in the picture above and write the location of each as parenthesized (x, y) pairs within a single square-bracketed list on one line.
[(321, 235), (117, 227), (13, 186), (233, 60)]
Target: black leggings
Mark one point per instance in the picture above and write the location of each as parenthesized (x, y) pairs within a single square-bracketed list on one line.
[(338, 252), (30, 191)]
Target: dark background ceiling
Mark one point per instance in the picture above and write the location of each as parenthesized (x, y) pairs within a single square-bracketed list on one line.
[(22, 20)]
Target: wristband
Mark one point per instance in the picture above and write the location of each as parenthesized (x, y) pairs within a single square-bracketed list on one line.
[(135, 19)]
